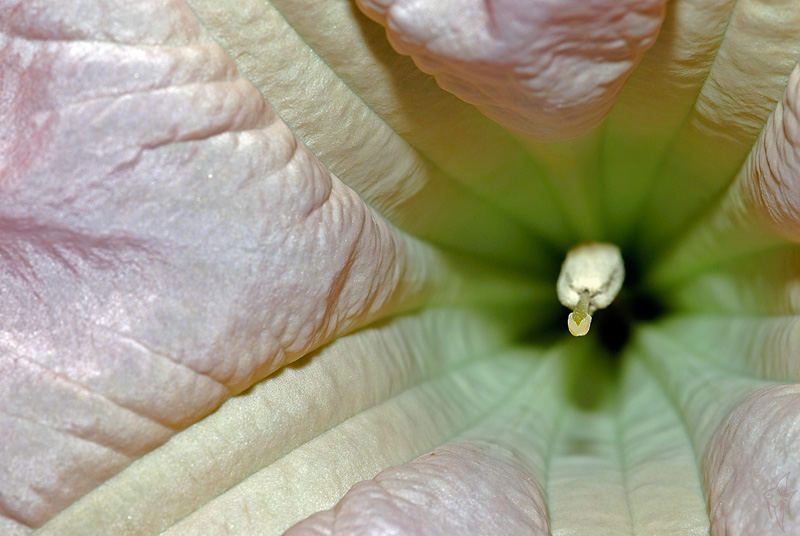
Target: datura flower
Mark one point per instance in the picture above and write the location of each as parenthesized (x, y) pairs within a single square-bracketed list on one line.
[(274, 265)]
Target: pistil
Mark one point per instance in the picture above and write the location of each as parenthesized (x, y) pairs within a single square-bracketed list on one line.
[(590, 279)]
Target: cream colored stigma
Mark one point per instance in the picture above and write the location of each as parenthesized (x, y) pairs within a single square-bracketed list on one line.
[(590, 279)]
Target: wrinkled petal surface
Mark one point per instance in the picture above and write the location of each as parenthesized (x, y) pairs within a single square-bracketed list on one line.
[(190, 246), (544, 69), (448, 491)]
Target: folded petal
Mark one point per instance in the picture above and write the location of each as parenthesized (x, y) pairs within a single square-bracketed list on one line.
[(751, 465), (460, 488), (774, 176), (165, 242), (744, 430), (759, 211), (546, 69)]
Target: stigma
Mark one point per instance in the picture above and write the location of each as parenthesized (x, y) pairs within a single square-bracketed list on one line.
[(591, 277)]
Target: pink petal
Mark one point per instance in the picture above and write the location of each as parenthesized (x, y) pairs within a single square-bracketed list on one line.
[(774, 167), (465, 487), (165, 242), (751, 466), (546, 69)]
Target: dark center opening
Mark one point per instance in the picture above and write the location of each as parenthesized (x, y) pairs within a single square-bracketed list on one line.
[(613, 325)]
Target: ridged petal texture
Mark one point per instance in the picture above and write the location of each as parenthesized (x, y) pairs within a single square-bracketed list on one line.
[(547, 69), (261, 273)]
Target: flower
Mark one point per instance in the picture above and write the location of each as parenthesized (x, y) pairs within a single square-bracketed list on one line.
[(214, 321)]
